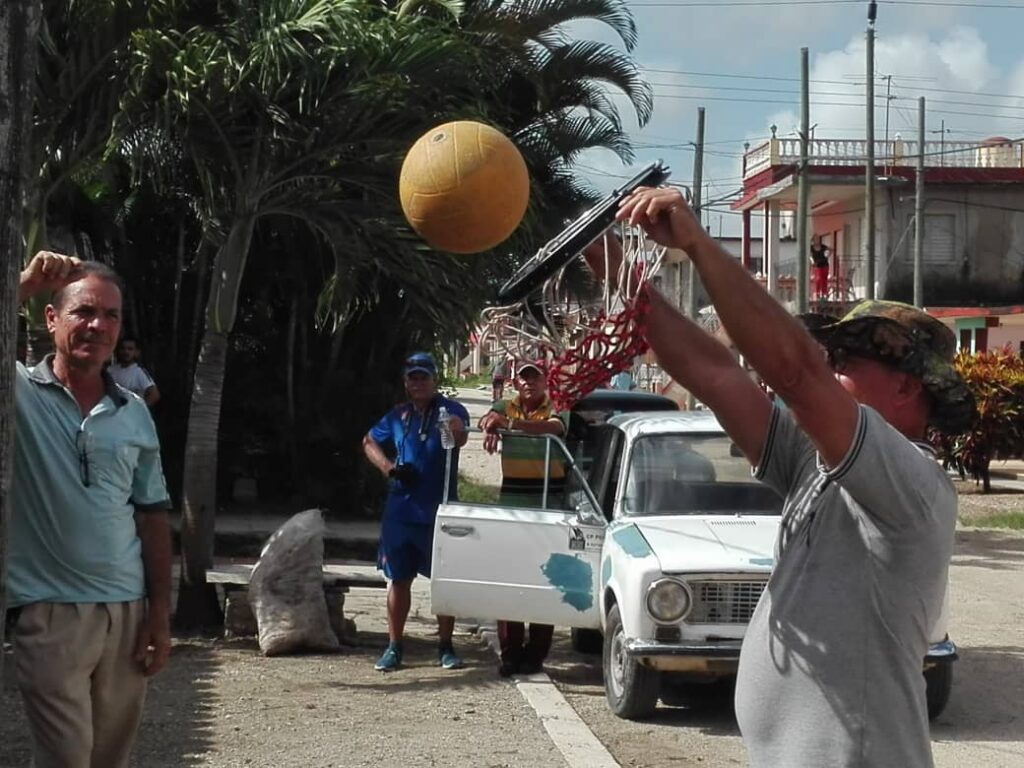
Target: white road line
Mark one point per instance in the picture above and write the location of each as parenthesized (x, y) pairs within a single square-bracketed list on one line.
[(577, 743)]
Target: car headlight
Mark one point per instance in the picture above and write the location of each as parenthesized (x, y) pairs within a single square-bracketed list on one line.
[(668, 600)]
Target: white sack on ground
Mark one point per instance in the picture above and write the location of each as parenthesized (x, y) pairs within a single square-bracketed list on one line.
[(286, 589)]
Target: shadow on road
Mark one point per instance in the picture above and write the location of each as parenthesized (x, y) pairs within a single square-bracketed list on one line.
[(177, 722), (988, 687), (175, 730), (987, 548)]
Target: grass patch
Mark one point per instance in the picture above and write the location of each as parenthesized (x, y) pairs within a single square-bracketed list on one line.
[(1011, 520), (473, 492)]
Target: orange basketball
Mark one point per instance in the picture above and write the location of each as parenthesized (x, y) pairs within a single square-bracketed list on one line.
[(464, 187)]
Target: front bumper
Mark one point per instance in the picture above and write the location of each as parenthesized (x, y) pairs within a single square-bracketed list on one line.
[(716, 659)]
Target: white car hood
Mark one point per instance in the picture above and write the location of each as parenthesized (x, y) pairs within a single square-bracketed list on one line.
[(711, 543)]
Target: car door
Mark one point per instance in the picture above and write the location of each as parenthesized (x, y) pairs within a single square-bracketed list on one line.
[(522, 563)]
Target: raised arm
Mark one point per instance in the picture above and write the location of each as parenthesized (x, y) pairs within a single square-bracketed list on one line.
[(774, 342), (46, 272)]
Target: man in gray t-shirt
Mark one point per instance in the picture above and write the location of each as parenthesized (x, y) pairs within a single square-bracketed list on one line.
[(831, 667)]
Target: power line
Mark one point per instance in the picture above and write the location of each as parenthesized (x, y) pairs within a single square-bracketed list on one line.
[(841, 94), (830, 104), (848, 83)]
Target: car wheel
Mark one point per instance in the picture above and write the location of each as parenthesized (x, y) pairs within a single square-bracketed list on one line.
[(587, 640), (939, 685), (631, 688)]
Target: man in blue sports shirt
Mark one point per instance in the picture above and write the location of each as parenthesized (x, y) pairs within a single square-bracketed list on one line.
[(405, 445)]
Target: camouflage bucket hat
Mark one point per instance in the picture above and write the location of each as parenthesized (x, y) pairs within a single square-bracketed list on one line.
[(912, 341)]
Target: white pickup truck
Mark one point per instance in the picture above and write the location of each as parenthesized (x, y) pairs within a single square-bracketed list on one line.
[(664, 549)]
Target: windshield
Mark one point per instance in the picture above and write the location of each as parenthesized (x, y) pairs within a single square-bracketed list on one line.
[(693, 474)]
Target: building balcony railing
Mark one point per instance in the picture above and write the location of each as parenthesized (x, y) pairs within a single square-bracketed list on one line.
[(892, 153)]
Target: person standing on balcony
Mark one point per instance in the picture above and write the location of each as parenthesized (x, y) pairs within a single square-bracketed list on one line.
[(820, 255), (830, 670), (819, 267)]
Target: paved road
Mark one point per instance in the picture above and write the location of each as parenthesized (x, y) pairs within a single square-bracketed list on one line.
[(982, 725)]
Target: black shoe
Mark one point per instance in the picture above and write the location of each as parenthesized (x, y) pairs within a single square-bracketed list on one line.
[(508, 668), (531, 667)]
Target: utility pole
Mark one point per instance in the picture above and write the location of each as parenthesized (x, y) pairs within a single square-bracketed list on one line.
[(804, 188), (919, 211), (698, 183), (869, 165), (942, 140)]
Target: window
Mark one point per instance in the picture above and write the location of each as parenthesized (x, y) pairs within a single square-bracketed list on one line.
[(677, 474), (939, 238)]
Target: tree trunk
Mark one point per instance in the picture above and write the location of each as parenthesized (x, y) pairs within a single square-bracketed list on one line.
[(179, 269), (290, 342), (19, 22), (198, 606)]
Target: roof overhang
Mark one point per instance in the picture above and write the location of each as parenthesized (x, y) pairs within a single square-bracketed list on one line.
[(825, 188)]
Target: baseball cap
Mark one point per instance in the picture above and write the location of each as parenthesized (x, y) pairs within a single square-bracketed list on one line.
[(537, 365), (910, 340), (420, 362)]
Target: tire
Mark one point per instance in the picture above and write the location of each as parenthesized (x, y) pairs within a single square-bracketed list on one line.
[(939, 685), (631, 689), (587, 640)]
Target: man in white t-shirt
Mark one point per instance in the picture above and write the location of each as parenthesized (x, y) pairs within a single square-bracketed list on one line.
[(127, 372)]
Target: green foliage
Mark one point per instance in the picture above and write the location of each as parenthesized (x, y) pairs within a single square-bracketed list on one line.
[(996, 379), (473, 492), (1011, 520), (176, 128)]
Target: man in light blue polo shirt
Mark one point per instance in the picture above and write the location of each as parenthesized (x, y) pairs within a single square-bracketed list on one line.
[(89, 565)]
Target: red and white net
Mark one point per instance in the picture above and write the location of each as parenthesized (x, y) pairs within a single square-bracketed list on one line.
[(584, 340)]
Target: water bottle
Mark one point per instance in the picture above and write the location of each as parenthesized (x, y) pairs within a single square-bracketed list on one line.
[(444, 427)]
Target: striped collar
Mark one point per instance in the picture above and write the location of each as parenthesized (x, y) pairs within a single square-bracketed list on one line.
[(42, 373)]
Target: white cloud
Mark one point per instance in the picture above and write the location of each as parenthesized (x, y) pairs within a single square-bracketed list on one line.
[(919, 66)]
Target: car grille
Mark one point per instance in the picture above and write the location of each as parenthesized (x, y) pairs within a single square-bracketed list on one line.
[(724, 602)]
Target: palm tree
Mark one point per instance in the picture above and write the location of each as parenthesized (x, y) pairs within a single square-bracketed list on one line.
[(302, 109), (285, 108), (19, 21)]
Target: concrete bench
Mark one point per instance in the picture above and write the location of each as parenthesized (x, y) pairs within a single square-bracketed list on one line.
[(240, 621)]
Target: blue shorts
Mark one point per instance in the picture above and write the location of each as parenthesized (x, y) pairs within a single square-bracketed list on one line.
[(405, 549)]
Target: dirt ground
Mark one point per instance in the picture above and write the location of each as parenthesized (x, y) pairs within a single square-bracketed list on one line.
[(222, 705)]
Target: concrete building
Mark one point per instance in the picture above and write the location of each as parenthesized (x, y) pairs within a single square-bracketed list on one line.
[(973, 225)]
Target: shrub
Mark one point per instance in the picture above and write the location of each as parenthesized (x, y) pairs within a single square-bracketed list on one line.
[(996, 378)]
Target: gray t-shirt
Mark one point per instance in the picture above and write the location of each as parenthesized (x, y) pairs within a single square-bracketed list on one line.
[(830, 672)]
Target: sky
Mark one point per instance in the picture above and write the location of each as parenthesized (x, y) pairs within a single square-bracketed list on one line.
[(740, 60)]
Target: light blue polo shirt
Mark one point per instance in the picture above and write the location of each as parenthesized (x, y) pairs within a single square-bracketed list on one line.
[(77, 484)]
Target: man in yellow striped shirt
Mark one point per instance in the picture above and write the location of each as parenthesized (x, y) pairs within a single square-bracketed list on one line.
[(523, 471)]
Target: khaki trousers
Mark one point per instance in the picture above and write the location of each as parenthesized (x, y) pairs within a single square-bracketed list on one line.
[(83, 691)]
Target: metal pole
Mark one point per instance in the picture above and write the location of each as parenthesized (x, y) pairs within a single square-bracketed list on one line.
[(869, 165), (698, 183), (804, 188), (919, 211), (942, 142)]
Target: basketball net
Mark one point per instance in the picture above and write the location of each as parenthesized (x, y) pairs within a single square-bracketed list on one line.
[(584, 342)]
